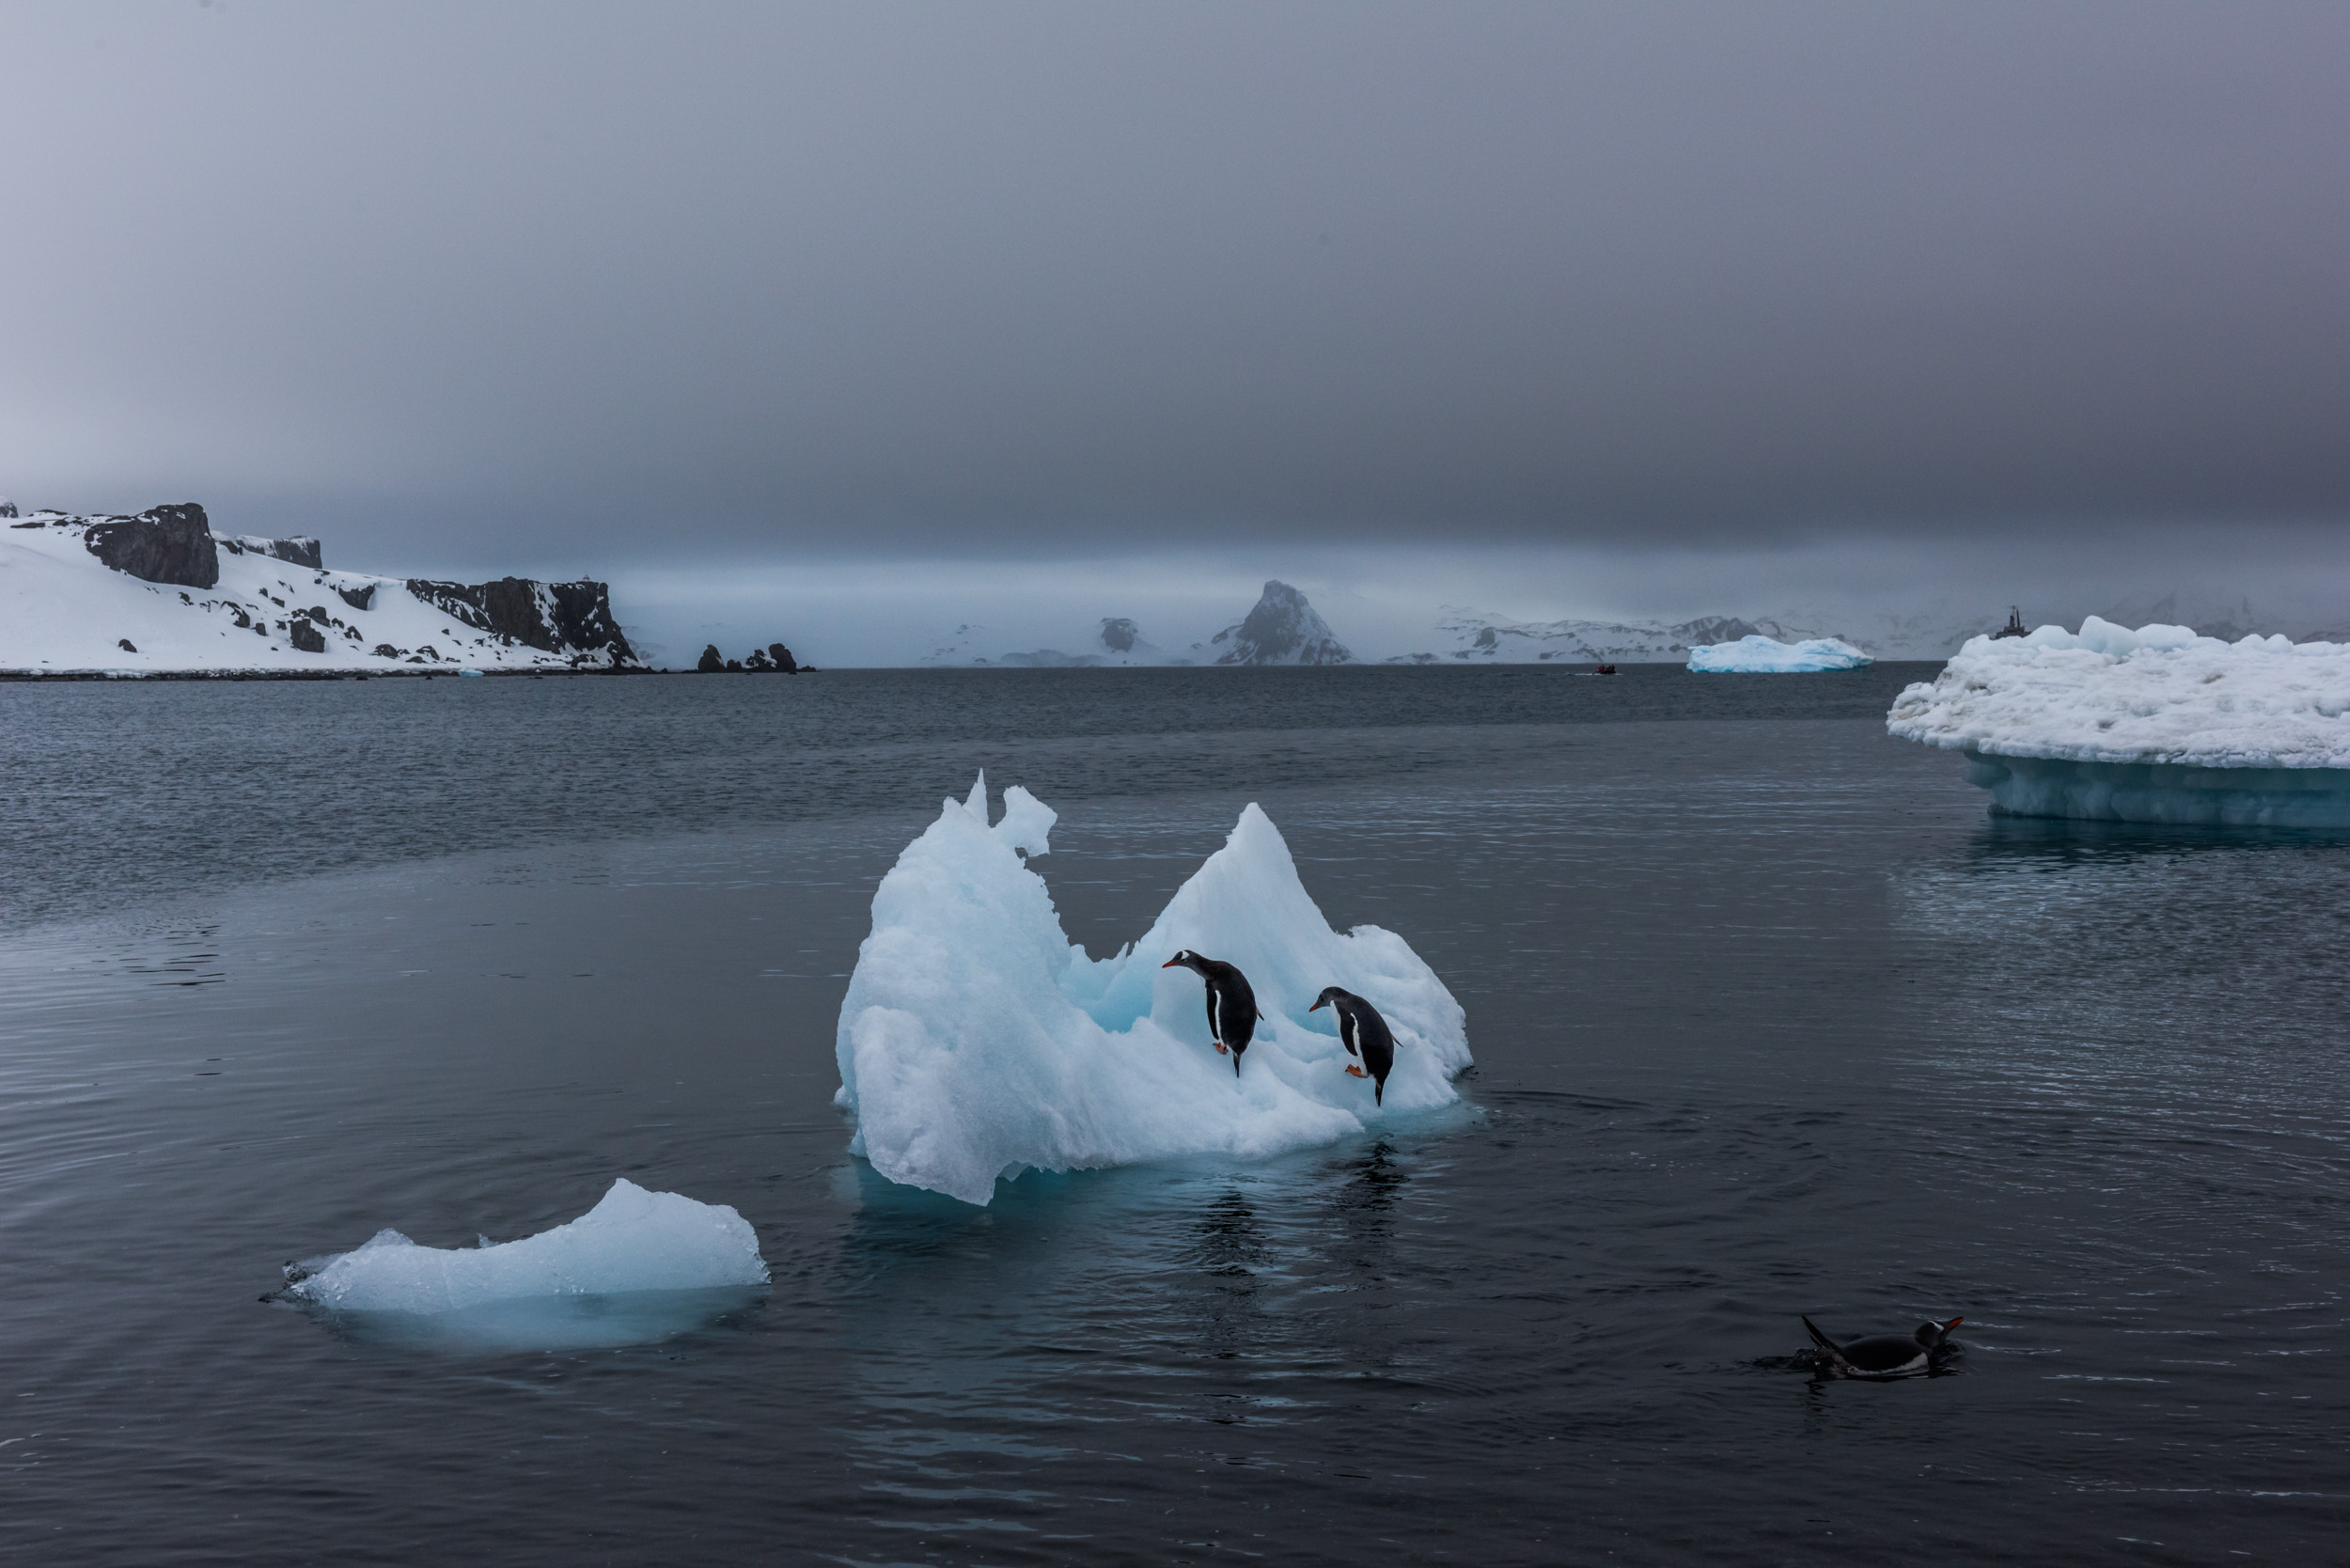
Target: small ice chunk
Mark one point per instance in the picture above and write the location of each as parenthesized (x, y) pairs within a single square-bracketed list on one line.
[(1762, 656), (634, 1240), (975, 1040)]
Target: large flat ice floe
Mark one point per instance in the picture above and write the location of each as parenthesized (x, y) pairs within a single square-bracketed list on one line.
[(1762, 656), (631, 1241), (2156, 725), (977, 1041)]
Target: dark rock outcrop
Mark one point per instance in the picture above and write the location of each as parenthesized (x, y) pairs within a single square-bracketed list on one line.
[(8, 507), (126, 645), (774, 659), (359, 598), (1282, 629), (163, 544), (301, 549), (554, 617), (1118, 633), (305, 636)]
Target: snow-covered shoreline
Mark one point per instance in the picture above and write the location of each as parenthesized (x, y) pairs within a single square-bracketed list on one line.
[(159, 596)]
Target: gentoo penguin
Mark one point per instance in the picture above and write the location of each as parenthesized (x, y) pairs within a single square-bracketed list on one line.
[(1885, 1355), (1364, 1034), (1232, 1006)]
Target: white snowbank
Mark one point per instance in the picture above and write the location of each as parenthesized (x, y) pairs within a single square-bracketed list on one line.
[(1761, 655), (634, 1240), (975, 1040), (2157, 725)]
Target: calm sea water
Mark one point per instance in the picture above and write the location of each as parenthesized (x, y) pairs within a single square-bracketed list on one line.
[(1770, 1018)]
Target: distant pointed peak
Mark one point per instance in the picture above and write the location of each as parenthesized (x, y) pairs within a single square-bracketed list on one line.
[(1282, 629)]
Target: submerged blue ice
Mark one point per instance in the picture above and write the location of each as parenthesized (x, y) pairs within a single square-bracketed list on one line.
[(2163, 793)]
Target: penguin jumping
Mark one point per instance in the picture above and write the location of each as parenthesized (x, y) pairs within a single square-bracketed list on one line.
[(1232, 1005), (1885, 1355), (1364, 1034)]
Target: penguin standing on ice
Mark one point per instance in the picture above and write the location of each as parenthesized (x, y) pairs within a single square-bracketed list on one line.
[(1232, 1005), (1364, 1034), (1885, 1355)]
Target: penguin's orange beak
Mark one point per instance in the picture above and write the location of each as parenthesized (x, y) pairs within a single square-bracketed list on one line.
[(1952, 1324), (1168, 964), (1317, 1007)]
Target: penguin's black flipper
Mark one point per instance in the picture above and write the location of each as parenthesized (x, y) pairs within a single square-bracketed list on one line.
[(1821, 1340)]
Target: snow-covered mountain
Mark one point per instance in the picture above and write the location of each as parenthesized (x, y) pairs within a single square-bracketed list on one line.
[(1282, 629), (161, 593), (1466, 635), (1116, 642), (1470, 636)]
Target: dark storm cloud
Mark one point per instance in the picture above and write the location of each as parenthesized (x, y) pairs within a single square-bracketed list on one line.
[(1002, 277)]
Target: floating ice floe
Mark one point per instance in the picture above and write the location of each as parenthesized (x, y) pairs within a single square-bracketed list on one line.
[(1762, 656), (977, 1041), (2157, 725), (632, 1241)]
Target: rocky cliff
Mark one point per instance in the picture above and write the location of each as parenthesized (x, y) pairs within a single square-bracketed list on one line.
[(556, 617), (162, 544)]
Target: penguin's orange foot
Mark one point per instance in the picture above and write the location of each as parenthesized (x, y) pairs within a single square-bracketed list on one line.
[(1219, 1048), (1357, 1072)]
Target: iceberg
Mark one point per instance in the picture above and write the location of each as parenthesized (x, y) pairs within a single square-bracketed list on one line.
[(976, 1040), (2157, 725), (631, 1241), (1757, 654)]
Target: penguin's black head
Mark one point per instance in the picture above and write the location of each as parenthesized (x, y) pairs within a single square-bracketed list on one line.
[(1931, 1334), (1329, 994), (1187, 959)]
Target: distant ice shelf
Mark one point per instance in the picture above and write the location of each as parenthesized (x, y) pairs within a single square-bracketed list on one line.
[(1762, 656), (2155, 726), (976, 1040)]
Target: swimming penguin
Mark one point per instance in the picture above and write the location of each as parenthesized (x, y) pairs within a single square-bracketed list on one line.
[(1364, 1034), (1885, 1355), (1232, 1006)]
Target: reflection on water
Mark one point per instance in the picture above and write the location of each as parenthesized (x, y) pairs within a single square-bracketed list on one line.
[(564, 1323), (1769, 1021)]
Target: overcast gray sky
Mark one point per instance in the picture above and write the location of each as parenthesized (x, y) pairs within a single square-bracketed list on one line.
[(577, 285)]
